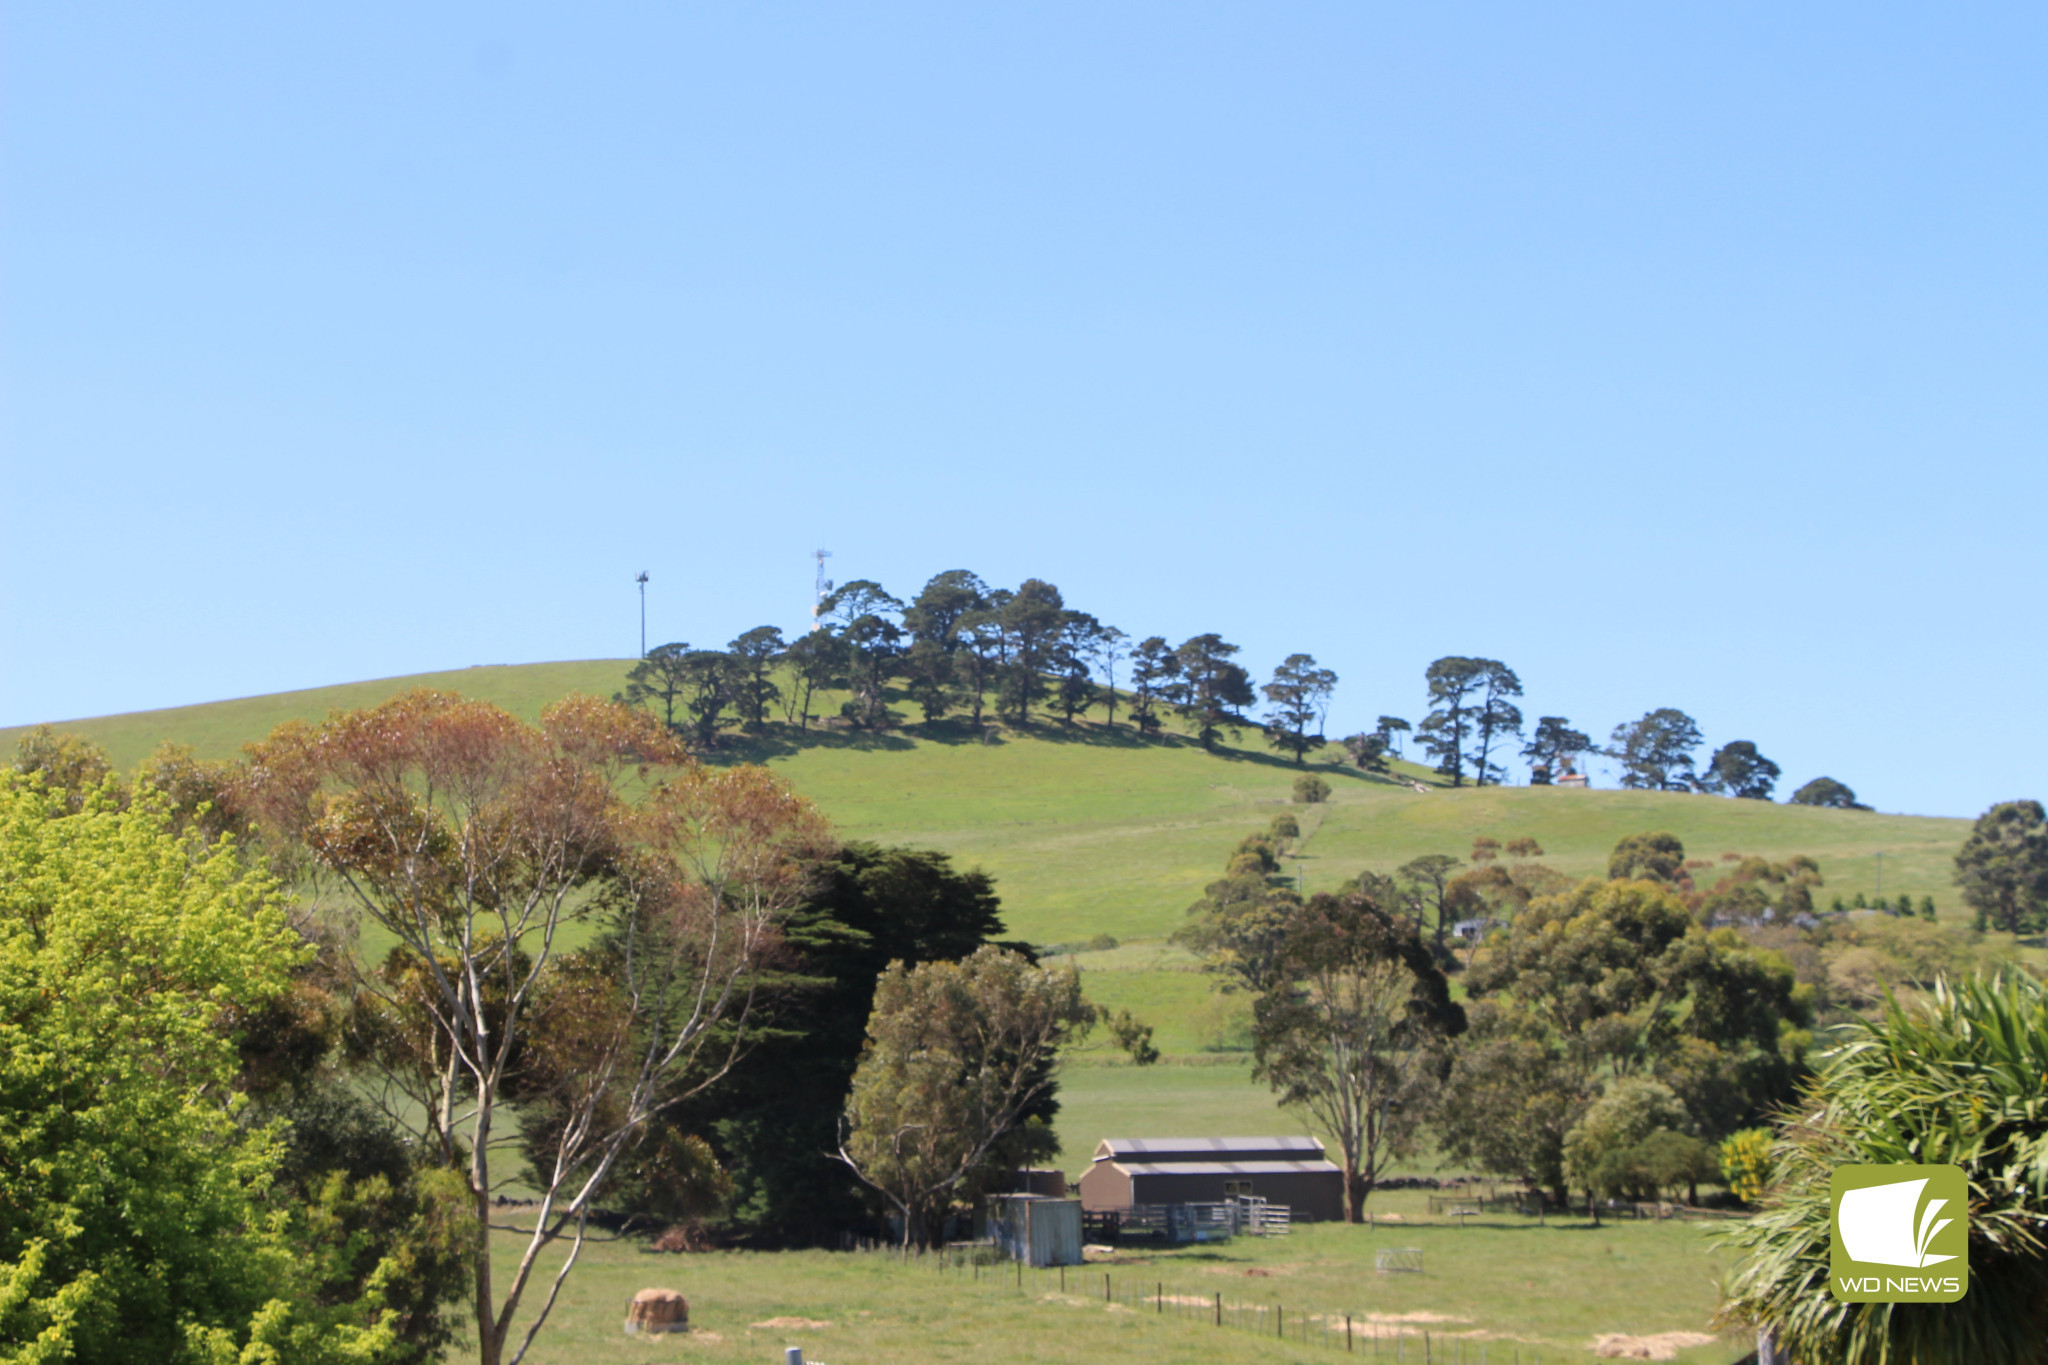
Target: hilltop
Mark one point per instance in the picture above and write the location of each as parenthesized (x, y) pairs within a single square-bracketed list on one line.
[(1091, 831)]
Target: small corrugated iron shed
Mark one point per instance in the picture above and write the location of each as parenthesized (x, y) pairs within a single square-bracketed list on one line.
[(1282, 1170), (1035, 1229)]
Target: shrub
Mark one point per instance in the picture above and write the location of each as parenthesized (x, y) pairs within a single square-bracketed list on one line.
[(1285, 826), (1746, 1163), (1311, 790)]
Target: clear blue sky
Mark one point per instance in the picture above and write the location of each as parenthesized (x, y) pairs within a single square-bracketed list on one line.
[(1677, 355)]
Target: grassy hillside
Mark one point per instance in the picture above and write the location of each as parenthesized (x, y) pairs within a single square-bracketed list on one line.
[(1091, 831)]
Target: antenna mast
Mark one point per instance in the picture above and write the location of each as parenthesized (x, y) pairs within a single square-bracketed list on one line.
[(642, 581), (824, 587)]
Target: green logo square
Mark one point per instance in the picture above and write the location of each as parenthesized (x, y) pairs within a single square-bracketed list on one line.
[(1900, 1234)]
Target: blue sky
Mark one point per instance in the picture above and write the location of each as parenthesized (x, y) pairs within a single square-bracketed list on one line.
[(1677, 356)]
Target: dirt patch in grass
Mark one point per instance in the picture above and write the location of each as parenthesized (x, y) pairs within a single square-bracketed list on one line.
[(1657, 1346), (805, 1323)]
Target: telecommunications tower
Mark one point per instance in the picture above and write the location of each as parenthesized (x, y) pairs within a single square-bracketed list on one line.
[(642, 581), (824, 588)]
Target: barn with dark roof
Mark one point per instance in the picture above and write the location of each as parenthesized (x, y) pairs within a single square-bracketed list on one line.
[(1282, 1170)]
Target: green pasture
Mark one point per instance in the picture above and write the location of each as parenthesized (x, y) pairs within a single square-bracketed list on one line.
[(1500, 1289)]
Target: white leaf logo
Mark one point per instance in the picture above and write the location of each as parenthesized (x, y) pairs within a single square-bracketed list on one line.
[(1878, 1225)]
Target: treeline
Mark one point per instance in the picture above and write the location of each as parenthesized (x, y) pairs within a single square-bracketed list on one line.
[(962, 648), (1616, 1035)]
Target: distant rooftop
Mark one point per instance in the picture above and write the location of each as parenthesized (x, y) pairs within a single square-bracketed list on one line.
[(1205, 1149)]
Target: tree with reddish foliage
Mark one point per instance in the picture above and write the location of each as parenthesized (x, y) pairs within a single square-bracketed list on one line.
[(474, 840)]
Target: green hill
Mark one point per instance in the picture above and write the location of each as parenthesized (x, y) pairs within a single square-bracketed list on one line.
[(1090, 831)]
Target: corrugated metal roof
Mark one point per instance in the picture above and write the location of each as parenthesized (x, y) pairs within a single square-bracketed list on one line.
[(1227, 1167), (1221, 1147)]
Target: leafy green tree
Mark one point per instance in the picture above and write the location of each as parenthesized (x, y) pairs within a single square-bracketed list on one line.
[(1390, 729), (1655, 752), (2002, 867), (1510, 1099), (197, 793), (1031, 621), (928, 672), (1453, 680), (131, 961), (755, 655), (665, 678), (935, 616), (1369, 752), (858, 613), (1130, 1034), (1238, 924), (1155, 674), (1962, 1079), (817, 662), (773, 1119), (1299, 695), (955, 1053), (1553, 750), (1495, 718), (712, 682), (1825, 791), (1350, 1032), (1108, 647), (1658, 857), (979, 661), (1740, 771), (1616, 979), (1071, 660), (1428, 879), (1603, 1151), (67, 763), (1211, 690)]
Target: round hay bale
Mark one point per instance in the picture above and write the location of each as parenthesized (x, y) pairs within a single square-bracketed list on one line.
[(657, 1310)]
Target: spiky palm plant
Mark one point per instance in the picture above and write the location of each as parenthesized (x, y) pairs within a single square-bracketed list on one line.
[(1962, 1080)]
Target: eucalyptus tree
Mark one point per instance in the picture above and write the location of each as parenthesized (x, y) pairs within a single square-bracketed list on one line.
[(956, 1053), (1351, 1031), (476, 843)]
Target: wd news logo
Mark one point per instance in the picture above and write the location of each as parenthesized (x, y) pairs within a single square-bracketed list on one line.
[(1901, 1234)]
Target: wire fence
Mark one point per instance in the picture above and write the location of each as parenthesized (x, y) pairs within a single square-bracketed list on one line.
[(1375, 1337)]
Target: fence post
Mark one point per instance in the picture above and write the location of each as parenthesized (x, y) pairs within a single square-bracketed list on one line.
[(1219, 1310), (1159, 1299), (1280, 1321), (1347, 1332), (1105, 1287)]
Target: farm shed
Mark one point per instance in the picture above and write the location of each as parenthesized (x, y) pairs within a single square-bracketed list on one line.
[(1280, 1170), (1035, 1229)]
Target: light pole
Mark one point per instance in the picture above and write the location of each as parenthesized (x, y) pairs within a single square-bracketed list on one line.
[(642, 581)]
